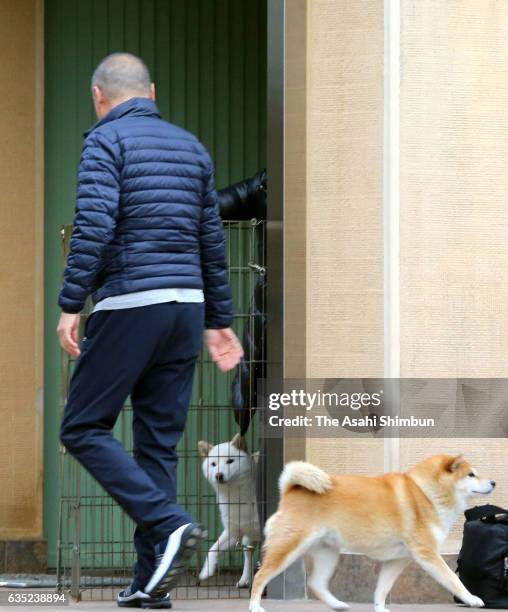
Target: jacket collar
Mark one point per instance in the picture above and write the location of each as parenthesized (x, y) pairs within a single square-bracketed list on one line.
[(134, 107)]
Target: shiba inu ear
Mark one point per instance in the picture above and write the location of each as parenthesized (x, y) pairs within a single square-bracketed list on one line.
[(204, 448), (239, 442), (453, 463)]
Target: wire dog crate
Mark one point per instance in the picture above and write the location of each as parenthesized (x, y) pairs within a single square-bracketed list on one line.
[(95, 552)]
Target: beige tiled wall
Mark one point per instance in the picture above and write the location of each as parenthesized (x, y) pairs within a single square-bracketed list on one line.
[(21, 269), (344, 207), (454, 188), (345, 189), (454, 213)]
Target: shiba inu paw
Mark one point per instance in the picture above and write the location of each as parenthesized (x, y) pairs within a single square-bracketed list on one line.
[(256, 608), (475, 602)]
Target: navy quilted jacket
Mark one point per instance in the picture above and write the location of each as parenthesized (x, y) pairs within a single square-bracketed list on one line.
[(147, 215)]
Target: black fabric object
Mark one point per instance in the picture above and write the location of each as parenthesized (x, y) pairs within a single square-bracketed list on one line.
[(483, 559), (244, 201), (244, 385)]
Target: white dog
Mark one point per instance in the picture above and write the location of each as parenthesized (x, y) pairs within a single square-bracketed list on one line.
[(231, 471)]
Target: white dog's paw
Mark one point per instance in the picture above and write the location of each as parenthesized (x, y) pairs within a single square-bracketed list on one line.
[(204, 574), (475, 602), (243, 583)]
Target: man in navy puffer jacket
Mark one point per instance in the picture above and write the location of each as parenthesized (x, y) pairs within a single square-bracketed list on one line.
[(148, 246)]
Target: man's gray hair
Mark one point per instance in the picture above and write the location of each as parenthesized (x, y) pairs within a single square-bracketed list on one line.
[(122, 74)]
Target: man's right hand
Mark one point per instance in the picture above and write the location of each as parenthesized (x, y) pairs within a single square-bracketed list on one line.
[(224, 348), (67, 331)]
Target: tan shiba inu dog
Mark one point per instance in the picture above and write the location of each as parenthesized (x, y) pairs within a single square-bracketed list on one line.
[(393, 518)]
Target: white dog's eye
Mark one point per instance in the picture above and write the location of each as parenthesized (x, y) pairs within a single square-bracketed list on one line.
[(230, 461), (472, 475), (214, 464)]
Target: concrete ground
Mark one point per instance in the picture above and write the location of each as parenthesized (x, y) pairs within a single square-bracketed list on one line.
[(221, 605)]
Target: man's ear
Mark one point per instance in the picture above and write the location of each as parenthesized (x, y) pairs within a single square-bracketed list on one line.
[(239, 442), (204, 448), (452, 464), (97, 94), (255, 457), (152, 91)]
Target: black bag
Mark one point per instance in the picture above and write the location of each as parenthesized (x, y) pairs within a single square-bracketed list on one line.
[(483, 559)]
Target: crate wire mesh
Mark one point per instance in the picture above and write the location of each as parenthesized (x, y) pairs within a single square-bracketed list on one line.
[(95, 552)]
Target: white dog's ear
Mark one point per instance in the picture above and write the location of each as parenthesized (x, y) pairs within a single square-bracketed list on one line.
[(239, 442), (204, 448), (454, 463), (255, 457)]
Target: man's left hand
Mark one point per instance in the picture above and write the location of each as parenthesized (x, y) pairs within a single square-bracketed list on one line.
[(67, 330)]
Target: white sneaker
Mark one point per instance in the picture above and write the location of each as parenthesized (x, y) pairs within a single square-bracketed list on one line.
[(172, 556), (130, 598)]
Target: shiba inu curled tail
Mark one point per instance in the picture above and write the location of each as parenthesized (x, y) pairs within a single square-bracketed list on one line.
[(306, 475), (393, 518)]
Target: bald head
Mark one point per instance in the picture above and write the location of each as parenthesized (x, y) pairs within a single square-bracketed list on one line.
[(122, 75)]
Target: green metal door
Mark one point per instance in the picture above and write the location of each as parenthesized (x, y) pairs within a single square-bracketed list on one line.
[(208, 60)]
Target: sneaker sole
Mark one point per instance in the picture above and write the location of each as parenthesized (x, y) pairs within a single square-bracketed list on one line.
[(146, 604), (176, 561), (161, 605)]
